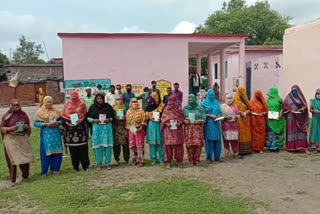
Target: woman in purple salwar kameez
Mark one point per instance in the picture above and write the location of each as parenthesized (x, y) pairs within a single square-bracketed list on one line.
[(297, 116)]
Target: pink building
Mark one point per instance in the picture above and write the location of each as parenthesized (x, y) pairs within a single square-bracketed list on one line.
[(141, 58), (263, 67)]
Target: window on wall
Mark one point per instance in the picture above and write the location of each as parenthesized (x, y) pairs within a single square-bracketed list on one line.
[(216, 71), (226, 68)]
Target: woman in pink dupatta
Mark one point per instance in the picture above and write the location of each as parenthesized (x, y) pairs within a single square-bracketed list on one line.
[(173, 138)]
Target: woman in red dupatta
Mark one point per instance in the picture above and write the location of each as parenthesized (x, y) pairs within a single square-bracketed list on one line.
[(17, 147), (173, 138), (259, 112), (76, 135)]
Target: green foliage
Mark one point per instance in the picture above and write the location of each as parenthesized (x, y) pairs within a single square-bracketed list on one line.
[(81, 192), (264, 25), (28, 52), (3, 60)]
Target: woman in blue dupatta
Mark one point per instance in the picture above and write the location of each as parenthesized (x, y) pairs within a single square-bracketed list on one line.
[(212, 127), (315, 125)]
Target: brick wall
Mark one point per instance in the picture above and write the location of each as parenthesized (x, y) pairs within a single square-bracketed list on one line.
[(38, 71), (28, 93), (53, 90)]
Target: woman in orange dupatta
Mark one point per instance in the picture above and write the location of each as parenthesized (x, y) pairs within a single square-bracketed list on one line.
[(242, 101), (259, 110)]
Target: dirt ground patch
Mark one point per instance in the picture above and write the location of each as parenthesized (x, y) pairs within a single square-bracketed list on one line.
[(278, 182)]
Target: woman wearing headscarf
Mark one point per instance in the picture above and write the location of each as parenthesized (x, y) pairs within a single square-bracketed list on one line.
[(120, 135), (276, 126), (41, 96), (76, 135), (297, 116), (244, 122), (194, 136), (48, 119), (135, 123), (259, 114), (172, 129), (102, 131), (154, 137), (315, 125), (17, 147), (212, 127), (230, 131)]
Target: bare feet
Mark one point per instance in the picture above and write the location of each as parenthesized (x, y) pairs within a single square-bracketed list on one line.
[(307, 152), (168, 166), (99, 168), (261, 152), (109, 167)]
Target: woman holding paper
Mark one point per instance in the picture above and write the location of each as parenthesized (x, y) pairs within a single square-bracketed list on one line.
[(154, 137), (315, 126), (135, 123), (242, 101), (48, 119), (212, 127), (259, 114), (171, 128), (297, 115), (101, 115), (120, 135), (194, 136), (230, 130), (276, 121), (15, 131), (76, 135)]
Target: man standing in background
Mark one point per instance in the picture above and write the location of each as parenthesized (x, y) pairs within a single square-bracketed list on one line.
[(128, 96), (166, 97), (100, 91), (111, 97), (178, 94), (144, 97), (195, 80)]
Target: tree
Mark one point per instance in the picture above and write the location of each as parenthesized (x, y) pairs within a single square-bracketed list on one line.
[(28, 52), (3, 60), (263, 25)]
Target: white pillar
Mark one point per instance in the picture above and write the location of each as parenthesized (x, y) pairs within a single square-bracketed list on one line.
[(210, 74), (199, 64), (222, 74), (242, 63)]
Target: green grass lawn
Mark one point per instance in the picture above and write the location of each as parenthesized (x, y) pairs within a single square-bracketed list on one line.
[(74, 193)]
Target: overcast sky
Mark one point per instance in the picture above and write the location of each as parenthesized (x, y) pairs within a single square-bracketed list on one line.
[(41, 20)]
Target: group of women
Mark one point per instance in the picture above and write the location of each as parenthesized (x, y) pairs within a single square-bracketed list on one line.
[(243, 125)]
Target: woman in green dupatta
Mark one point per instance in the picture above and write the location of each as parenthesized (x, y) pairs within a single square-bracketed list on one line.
[(276, 126), (315, 125), (194, 136)]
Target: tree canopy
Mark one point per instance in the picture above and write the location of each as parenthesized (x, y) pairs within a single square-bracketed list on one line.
[(264, 25), (3, 60), (28, 52)]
